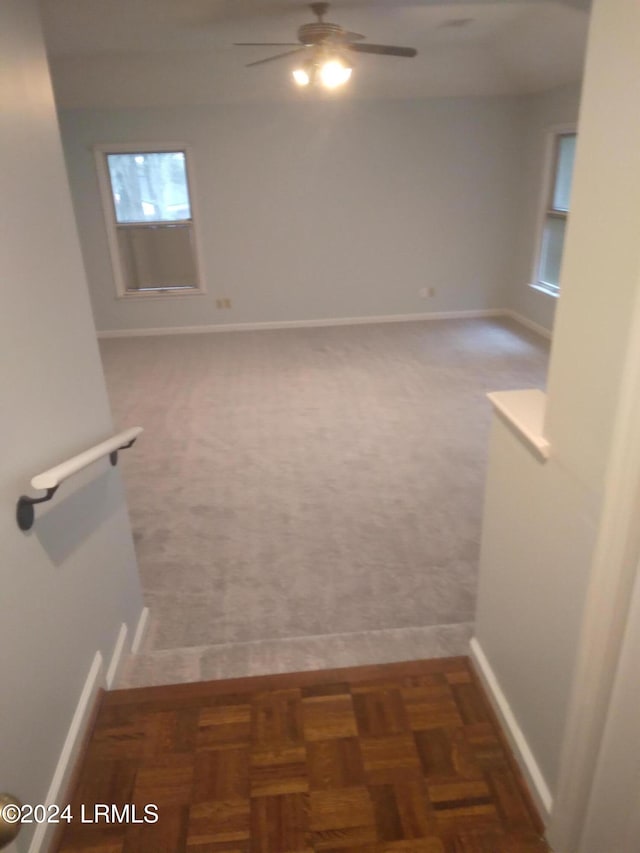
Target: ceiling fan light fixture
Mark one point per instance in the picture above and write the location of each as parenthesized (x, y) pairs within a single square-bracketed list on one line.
[(335, 72), (301, 76)]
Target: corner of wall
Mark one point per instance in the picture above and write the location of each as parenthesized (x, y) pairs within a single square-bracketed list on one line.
[(524, 755)]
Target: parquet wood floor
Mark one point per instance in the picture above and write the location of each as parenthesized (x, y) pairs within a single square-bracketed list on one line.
[(400, 757)]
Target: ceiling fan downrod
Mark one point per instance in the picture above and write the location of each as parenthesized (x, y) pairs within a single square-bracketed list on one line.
[(320, 10)]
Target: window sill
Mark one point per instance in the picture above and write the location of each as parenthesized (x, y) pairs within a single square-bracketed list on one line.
[(524, 411), (546, 290), (160, 294)]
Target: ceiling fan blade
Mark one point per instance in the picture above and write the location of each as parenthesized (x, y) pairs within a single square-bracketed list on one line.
[(277, 56), (266, 44), (348, 36), (383, 49)]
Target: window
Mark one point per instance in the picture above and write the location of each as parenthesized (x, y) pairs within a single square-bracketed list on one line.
[(148, 209), (556, 211)]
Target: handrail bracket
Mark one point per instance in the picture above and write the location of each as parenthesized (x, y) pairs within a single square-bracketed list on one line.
[(113, 456), (25, 513)]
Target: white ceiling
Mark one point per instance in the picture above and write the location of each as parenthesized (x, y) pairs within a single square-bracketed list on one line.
[(135, 53)]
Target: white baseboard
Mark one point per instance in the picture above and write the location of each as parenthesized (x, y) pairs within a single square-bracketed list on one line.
[(117, 657), (527, 323), (141, 630), (302, 324), (532, 773), (329, 321), (95, 680)]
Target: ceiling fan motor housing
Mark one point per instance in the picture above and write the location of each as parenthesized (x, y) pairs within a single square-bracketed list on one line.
[(319, 32)]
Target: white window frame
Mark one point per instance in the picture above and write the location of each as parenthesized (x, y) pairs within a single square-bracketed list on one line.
[(100, 152), (548, 181)]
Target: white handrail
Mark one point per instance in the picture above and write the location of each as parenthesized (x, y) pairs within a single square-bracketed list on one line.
[(52, 478)]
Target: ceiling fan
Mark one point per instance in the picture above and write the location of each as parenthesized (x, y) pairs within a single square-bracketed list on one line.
[(328, 46)]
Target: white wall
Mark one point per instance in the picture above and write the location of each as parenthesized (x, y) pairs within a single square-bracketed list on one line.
[(68, 584), (542, 112), (544, 526), (539, 527), (613, 818), (327, 209)]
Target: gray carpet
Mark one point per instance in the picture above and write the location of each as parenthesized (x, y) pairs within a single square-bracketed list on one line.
[(310, 482)]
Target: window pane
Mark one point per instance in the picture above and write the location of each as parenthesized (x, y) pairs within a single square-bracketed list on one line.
[(551, 255), (149, 187), (157, 257), (564, 171)]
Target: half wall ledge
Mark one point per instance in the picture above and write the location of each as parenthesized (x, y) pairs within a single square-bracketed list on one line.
[(524, 412)]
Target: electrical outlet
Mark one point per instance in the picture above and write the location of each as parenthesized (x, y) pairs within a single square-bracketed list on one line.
[(223, 303), (227, 303), (432, 291)]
